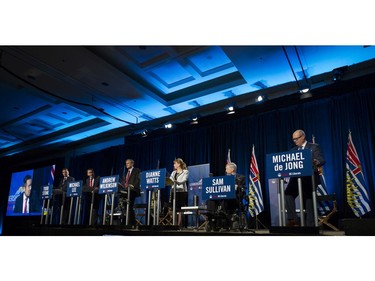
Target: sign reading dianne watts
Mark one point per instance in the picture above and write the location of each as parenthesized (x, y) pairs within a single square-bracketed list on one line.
[(216, 188), (153, 179), (297, 163)]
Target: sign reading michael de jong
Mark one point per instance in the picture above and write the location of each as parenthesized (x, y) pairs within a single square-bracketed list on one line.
[(108, 184), (216, 188), (153, 179), (297, 163)]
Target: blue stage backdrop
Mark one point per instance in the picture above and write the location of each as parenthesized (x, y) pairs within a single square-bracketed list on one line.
[(270, 129)]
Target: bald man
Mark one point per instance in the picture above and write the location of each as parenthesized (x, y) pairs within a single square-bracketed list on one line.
[(291, 191)]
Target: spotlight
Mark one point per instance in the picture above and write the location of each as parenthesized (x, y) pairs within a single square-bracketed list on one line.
[(144, 133), (338, 73), (194, 120), (260, 98), (230, 109), (168, 125), (304, 91)]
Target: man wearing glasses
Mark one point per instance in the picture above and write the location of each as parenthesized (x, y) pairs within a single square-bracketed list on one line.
[(291, 191)]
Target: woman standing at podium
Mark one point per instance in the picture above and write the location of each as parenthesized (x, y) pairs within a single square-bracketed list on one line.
[(179, 177)]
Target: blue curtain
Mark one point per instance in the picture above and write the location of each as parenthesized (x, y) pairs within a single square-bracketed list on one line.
[(329, 119)]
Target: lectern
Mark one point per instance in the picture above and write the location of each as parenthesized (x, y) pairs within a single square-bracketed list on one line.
[(283, 165)]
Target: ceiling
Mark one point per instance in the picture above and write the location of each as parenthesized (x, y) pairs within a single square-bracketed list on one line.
[(55, 95)]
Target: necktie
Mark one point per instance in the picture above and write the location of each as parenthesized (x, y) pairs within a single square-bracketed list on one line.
[(127, 178), (90, 182), (25, 206)]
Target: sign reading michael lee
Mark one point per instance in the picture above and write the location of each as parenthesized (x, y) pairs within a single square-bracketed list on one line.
[(153, 179), (108, 184), (296, 163), (216, 188), (74, 189)]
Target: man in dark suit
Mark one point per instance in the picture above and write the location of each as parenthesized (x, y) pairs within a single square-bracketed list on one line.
[(291, 191), (130, 177), (90, 196), (59, 193), (24, 203), (224, 214)]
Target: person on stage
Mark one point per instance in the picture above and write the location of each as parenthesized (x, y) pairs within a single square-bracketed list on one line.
[(224, 214), (130, 176), (291, 191), (179, 177), (59, 196), (90, 194)]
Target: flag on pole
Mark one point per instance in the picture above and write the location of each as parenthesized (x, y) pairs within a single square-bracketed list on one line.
[(356, 193), (255, 188), (324, 207), (228, 157), (52, 174)]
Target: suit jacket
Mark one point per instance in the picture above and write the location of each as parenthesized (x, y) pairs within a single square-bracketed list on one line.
[(19, 204), (86, 187), (316, 154), (63, 183), (181, 180), (135, 180)]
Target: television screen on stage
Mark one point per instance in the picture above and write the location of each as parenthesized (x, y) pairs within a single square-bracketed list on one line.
[(25, 192)]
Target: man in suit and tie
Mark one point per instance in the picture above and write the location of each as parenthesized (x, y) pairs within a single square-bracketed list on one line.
[(130, 177), (24, 203), (291, 191), (90, 196), (59, 193)]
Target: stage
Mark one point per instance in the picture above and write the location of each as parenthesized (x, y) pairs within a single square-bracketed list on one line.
[(167, 230)]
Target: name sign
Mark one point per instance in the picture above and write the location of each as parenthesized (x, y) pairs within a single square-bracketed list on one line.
[(296, 163), (108, 184), (47, 191), (153, 179), (74, 189), (216, 188)]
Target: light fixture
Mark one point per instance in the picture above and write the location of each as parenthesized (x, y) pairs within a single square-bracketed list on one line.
[(230, 109), (144, 133), (338, 73), (168, 125), (260, 98), (194, 120), (305, 93)]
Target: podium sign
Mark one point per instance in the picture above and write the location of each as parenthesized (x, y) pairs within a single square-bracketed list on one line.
[(108, 184), (47, 191), (297, 163), (153, 179), (216, 188), (74, 189)]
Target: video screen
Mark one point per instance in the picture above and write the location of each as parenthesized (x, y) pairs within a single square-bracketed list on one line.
[(25, 191)]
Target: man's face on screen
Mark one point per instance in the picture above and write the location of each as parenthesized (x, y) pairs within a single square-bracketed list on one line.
[(28, 187)]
